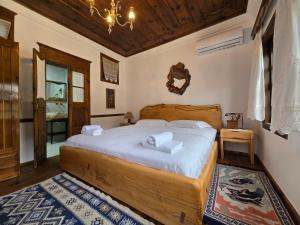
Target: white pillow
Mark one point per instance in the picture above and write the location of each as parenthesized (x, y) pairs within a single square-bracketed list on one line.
[(151, 123), (195, 124)]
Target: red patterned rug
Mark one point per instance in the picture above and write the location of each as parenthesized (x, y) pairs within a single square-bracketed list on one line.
[(243, 197)]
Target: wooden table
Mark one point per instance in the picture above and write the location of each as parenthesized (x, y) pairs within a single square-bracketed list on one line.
[(239, 136)]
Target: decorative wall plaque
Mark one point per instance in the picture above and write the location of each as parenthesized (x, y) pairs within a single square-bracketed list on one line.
[(109, 69), (110, 98), (178, 79)]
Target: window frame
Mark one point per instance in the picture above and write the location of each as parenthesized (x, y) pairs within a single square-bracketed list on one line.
[(267, 42)]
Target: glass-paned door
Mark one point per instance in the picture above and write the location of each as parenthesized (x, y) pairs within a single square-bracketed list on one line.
[(79, 102)]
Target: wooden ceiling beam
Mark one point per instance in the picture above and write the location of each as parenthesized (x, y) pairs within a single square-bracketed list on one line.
[(261, 16), (146, 20), (216, 18), (181, 11), (159, 11), (196, 13), (37, 6), (157, 21), (121, 34), (96, 27)]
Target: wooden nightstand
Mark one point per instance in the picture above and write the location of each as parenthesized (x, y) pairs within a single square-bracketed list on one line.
[(240, 136)]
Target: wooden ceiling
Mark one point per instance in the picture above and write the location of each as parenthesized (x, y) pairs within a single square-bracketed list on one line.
[(157, 22)]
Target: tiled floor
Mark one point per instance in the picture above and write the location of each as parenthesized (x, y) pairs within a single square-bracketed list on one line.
[(53, 149)]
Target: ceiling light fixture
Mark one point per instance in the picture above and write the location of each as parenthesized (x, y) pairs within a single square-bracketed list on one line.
[(112, 15)]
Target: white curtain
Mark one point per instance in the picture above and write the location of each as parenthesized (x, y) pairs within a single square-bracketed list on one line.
[(286, 68), (256, 99)]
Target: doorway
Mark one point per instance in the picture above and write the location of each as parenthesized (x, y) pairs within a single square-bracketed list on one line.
[(61, 87), (56, 108)]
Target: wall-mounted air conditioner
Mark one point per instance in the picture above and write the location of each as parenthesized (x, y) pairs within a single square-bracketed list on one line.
[(220, 41)]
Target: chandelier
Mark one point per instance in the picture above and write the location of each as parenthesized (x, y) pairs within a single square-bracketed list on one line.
[(112, 15)]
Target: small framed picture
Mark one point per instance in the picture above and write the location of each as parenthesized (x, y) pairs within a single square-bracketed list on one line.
[(110, 98), (109, 69)]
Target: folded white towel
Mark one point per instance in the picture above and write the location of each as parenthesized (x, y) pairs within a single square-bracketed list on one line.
[(157, 140), (90, 127), (170, 147), (93, 132)]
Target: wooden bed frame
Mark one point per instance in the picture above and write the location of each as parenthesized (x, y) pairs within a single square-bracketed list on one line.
[(167, 197)]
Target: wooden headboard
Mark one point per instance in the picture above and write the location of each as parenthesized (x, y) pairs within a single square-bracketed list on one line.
[(208, 113)]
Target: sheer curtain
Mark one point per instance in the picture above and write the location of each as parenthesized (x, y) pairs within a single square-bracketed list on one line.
[(286, 68), (256, 99)]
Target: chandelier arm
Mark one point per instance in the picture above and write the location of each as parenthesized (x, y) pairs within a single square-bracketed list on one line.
[(113, 14), (98, 13), (94, 8), (121, 24), (119, 15)]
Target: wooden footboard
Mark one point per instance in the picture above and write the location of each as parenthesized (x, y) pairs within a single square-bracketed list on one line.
[(167, 197)]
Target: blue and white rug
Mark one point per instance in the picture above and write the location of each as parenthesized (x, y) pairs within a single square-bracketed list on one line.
[(63, 200)]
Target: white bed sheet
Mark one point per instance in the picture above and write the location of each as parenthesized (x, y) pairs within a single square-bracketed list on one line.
[(125, 143)]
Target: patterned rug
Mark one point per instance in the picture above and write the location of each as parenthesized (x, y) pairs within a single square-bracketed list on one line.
[(63, 200), (243, 197)]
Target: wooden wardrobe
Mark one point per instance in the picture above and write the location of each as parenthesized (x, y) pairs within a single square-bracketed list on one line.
[(9, 105)]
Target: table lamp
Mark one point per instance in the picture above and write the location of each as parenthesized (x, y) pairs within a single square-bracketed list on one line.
[(128, 116)]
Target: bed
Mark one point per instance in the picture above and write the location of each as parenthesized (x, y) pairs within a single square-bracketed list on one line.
[(168, 197)]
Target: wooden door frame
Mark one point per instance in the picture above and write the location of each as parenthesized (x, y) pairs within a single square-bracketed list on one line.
[(38, 137), (73, 63)]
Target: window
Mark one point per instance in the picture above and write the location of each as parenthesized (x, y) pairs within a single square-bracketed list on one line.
[(267, 41), (78, 86)]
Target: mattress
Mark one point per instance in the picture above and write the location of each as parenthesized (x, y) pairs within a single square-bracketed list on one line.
[(125, 143)]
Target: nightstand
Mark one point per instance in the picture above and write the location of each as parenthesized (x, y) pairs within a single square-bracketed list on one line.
[(240, 136)]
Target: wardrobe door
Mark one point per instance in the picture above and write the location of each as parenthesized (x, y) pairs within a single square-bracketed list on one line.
[(9, 110)]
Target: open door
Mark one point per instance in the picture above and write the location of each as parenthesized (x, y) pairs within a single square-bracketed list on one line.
[(39, 107), (79, 100)]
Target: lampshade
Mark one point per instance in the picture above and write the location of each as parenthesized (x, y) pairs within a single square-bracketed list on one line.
[(128, 115)]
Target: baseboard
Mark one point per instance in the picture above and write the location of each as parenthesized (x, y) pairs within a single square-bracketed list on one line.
[(293, 212)]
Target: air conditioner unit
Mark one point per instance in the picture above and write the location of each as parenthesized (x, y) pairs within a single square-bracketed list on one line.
[(220, 41)]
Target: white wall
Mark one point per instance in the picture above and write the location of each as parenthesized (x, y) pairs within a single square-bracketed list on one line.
[(217, 78), (31, 28), (282, 159)]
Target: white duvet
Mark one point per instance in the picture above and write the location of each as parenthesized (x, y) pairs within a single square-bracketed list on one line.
[(125, 143)]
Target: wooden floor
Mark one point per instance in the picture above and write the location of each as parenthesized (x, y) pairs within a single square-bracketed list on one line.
[(50, 168), (240, 159), (30, 176)]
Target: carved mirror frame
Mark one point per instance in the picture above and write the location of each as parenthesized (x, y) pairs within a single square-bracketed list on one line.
[(178, 72)]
